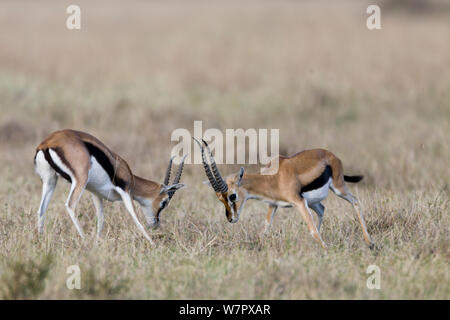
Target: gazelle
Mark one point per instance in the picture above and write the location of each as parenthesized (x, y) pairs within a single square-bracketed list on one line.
[(86, 163), (302, 181)]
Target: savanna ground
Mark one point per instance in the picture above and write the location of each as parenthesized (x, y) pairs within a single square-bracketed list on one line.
[(380, 100)]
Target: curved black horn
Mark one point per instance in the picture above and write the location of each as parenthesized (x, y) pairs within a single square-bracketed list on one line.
[(207, 168), (220, 182), (180, 170), (178, 176), (169, 169)]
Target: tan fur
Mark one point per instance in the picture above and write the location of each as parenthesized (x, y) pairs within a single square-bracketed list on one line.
[(293, 173), (71, 148), (286, 185), (77, 158)]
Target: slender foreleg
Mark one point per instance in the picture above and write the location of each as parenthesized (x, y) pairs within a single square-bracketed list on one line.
[(130, 208), (98, 204), (269, 218)]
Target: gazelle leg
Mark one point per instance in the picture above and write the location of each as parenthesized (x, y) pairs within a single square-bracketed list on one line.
[(357, 207), (319, 209), (269, 218), (48, 187), (98, 204), (130, 208), (49, 179), (346, 195), (74, 197), (302, 206)]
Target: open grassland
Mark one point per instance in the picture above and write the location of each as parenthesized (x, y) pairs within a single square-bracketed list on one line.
[(380, 100)]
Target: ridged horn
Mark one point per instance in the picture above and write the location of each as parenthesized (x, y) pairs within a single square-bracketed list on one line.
[(178, 175), (169, 169), (223, 187), (206, 167)]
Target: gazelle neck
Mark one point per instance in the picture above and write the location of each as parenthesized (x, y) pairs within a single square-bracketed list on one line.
[(261, 185), (143, 188)]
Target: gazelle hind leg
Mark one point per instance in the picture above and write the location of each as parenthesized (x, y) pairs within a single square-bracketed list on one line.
[(345, 194), (98, 204), (319, 209), (49, 179), (48, 188), (302, 206), (130, 208), (74, 197)]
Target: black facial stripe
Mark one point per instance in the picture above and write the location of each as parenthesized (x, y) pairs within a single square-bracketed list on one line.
[(106, 164), (53, 164), (319, 182), (162, 205), (157, 213)]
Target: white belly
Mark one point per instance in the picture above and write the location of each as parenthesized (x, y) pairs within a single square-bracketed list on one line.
[(317, 195), (100, 183)]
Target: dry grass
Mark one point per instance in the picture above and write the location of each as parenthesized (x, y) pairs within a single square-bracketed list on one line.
[(378, 99)]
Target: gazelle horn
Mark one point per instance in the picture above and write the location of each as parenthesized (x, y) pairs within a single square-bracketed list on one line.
[(178, 175), (169, 169), (208, 172), (222, 186)]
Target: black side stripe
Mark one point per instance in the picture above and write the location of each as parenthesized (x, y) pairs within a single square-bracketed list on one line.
[(353, 179), (104, 161), (53, 164), (318, 182)]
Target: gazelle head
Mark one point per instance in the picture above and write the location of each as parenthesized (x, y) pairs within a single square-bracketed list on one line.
[(229, 191), (167, 190)]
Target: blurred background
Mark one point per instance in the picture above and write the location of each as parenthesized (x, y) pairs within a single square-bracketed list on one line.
[(137, 70)]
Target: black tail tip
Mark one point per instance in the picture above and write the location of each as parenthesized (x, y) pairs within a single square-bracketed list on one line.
[(353, 179)]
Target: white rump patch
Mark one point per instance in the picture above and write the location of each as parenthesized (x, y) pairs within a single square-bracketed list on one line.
[(42, 167), (317, 195)]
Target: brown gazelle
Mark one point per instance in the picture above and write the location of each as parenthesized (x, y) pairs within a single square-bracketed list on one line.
[(86, 163), (302, 181)]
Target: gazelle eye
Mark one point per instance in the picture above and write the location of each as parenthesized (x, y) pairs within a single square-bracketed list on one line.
[(232, 197)]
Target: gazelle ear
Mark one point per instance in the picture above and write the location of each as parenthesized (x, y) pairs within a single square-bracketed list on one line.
[(241, 174), (173, 187), (176, 186)]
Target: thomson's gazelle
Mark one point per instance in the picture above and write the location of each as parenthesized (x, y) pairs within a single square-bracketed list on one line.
[(302, 181), (86, 163)]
